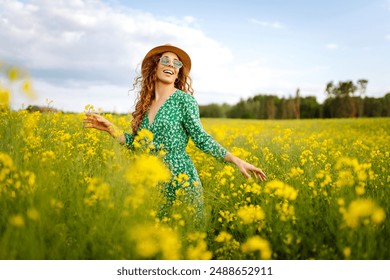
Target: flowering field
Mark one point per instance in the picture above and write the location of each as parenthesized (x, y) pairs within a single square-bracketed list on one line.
[(71, 193)]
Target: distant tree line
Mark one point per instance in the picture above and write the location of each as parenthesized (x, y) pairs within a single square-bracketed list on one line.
[(344, 100)]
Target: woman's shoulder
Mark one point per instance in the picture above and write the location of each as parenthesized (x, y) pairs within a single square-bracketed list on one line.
[(185, 97)]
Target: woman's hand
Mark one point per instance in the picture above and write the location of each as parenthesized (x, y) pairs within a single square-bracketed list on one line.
[(246, 167), (100, 123)]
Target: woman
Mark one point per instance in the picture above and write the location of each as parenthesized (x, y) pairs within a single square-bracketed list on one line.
[(167, 108)]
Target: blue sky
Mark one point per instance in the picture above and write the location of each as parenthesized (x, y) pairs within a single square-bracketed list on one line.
[(88, 52)]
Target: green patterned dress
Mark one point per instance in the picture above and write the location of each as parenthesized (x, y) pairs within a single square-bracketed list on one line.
[(175, 122)]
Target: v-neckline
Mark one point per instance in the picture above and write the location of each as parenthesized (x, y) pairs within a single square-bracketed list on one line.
[(158, 110)]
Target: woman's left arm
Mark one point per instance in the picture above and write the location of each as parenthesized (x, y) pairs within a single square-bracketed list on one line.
[(193, 126), (207, 144)]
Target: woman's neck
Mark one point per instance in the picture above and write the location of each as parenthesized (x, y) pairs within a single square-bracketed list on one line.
[(163, 90)]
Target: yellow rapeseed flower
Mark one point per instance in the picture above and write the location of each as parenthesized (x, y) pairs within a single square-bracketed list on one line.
[(161, 242), (147, 170), (17, 220), (97, 190), (251, 213), (56, 204), (256, 243), (89, 108), (295, 171), (28, 89), (281, 189), (347, 252), (4, 98), (223, 236), (144, 139), (285, 210), (33, 214), (13, 74), (6, 161), (363, 210), (198, 249)]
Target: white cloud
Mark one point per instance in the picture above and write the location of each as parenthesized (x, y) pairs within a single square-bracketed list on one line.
[(89, 38), (387, 37), (88, 52), (276, 25), (332, 46), (81, 44)]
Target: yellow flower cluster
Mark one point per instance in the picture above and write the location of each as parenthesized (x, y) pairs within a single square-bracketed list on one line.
[(287, 194), (251, 187), (14, 76), (4, 98), (144, 140), (181, 180), (306, 157), (146, 172), (285, 211), (281, 189), (352, 174), (269, 156), (243, 154), (250, 213), (153, 242), (197, 250), (47, 156), (362, 212), (226, 217), (19, 221), (257, 244), (223, 236), (225, 176), (14, 182), (295, 172), (97, 191), (228, 246)]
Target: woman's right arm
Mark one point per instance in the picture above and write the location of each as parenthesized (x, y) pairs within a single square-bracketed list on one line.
[(100, 123)]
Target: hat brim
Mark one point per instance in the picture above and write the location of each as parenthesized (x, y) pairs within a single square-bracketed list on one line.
[(183, 56)]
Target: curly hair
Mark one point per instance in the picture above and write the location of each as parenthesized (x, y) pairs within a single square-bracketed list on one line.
[(147, 81)]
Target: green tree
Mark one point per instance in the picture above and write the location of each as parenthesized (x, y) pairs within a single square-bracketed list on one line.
[(362, 85), (309, 107), (239, 111), (211, 111), (341, 101), (386, 101)]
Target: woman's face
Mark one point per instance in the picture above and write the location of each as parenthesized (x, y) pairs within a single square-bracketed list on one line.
[(167, 73)]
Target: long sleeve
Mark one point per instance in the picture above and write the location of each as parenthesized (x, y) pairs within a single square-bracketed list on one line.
[(194, 128)]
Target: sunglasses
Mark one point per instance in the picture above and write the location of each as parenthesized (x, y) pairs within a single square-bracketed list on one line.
[(176, 63)]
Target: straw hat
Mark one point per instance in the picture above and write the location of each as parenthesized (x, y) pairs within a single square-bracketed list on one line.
[(183, 56)]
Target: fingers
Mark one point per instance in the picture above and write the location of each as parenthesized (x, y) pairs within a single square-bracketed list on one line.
[(257, 173), (90, 121), (261, 174), (92, 117)]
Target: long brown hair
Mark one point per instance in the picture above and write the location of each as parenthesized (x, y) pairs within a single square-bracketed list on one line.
[(147, 82)]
